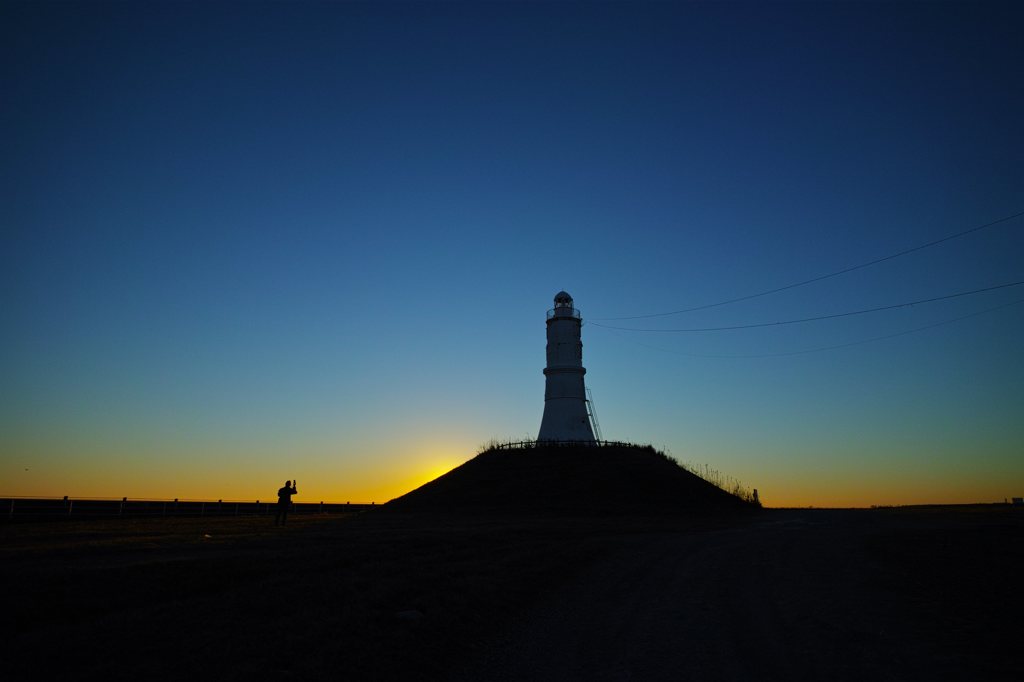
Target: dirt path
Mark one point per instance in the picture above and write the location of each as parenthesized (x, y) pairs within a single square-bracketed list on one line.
[(798, 595)]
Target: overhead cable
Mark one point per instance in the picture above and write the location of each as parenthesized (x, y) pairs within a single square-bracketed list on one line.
[(819, 317), (821, 277), (820, 349)]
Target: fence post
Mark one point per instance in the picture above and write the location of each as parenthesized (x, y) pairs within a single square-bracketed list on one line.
[(202, 509), (120, 511)]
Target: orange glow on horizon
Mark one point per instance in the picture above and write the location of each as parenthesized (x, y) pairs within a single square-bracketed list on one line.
[(379, 473)]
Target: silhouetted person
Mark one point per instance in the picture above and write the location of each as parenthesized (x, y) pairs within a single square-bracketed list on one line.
[(284, 501)]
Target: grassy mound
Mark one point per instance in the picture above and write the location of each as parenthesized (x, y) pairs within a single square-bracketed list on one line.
[(570, 480)]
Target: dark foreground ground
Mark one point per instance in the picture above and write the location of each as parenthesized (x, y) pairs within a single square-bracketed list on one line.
[(900, 594)]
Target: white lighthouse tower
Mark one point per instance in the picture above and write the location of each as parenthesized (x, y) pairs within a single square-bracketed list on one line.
[(565, 399)]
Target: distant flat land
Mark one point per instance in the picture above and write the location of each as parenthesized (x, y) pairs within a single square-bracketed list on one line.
[(901, 594)]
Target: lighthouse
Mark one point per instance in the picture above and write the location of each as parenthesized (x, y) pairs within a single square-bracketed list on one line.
[(565, 399)]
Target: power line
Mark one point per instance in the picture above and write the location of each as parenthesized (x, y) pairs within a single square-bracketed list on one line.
[(819, 317), (820, 349), (821, 277)]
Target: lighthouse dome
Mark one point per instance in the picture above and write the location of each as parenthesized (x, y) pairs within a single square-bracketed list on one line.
[(563, 300)]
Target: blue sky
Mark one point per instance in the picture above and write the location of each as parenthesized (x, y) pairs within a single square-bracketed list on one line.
[(255, 241)]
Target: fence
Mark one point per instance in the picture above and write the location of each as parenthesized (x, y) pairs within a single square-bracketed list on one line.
[(54, 508), (529, 444)]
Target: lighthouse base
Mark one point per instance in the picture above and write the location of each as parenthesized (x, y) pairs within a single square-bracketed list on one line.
[(565, 406), (566, 419)]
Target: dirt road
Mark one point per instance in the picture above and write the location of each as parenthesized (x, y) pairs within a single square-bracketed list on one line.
[(796, 595)]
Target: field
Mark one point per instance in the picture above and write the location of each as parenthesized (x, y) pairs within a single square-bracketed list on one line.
[(914, 593)]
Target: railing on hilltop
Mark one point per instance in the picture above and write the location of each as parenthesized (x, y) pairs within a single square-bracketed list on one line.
[(713, 476), (529, 444), (52, 508)]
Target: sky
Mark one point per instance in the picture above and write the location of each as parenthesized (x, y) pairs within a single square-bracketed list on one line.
[(250, 242)]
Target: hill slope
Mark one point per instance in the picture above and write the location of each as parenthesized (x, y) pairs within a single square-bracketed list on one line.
[(587, 480)]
